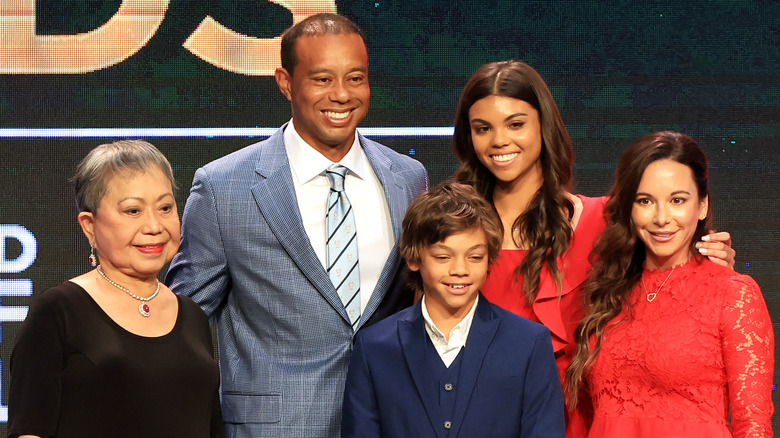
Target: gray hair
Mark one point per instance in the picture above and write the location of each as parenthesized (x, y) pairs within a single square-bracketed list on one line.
[(107, 160)]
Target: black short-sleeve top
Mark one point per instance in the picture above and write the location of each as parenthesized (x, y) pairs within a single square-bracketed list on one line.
[(77, 373)]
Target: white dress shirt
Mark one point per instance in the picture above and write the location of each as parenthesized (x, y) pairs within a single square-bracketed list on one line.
[(448, 348), (365, 193)]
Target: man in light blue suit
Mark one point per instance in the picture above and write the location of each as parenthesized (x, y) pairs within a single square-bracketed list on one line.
[(253, 249)]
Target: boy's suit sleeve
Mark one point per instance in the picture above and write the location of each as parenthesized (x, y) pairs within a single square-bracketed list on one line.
[(360, 416), (543, 410)]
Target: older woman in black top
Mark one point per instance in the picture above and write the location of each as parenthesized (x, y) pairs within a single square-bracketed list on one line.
[(114, 352)]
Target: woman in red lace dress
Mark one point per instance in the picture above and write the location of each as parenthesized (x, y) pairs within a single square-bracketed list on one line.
[(671, 342), (514, 148)]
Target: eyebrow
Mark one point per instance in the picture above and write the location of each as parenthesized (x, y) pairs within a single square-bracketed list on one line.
[(509, 117), (443, 246), (676, 192), (138, 198), (362, 69)]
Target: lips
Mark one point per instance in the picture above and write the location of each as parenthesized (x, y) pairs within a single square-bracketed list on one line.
[(154, 248), (338, 118), (457, 288), (662, 236), (503, 158), (337, 115)]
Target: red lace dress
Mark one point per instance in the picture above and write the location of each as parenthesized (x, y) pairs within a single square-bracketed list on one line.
[(562, 315), (703, 345)]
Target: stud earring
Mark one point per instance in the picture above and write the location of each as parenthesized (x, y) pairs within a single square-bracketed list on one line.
[(92, 257)]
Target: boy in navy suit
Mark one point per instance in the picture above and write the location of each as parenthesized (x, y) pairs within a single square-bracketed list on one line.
[(452, 365)]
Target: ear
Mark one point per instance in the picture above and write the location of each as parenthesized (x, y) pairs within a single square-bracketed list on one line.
[(87, 222), (414, 266), (284, 81), (704, 205)]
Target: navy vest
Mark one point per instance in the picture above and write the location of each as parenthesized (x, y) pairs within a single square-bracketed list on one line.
[(445, 381)]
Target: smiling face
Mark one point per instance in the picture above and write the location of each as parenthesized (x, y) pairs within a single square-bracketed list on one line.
[(666, 212), (507, 137), (453, 271), (136, 227), (328, 90)]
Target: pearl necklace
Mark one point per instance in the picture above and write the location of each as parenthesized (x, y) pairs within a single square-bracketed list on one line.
[(651, 296), (143, 308)]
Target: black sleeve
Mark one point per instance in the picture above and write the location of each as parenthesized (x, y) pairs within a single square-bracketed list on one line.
[(36, 369)]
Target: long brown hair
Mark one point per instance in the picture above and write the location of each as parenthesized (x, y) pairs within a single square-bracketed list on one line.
[(619, 253), (545, 226)]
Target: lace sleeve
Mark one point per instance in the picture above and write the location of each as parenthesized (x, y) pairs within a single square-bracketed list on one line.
[(748, 354)]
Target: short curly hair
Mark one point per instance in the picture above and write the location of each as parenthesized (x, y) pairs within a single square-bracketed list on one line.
[(107, 160)]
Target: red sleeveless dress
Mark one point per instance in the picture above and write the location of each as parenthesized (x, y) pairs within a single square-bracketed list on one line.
[(562, 315)]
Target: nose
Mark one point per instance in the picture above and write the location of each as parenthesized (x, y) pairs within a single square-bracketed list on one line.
[(152, 224), (339, 92), (459, 267), (500, 137), (661, 214)]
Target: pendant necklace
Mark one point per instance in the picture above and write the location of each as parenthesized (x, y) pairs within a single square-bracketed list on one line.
[(143, 308), (651, 296)]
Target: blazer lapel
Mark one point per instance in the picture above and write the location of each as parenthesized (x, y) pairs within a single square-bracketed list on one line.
[(411, 333), (395, 194), (483, 328), (276, 199)]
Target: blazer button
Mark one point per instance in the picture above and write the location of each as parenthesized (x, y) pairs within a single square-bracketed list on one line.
[(448, 424), (448, 387)]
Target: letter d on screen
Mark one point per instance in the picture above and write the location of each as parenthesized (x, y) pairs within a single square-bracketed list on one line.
[(29, 248), (24, 52)]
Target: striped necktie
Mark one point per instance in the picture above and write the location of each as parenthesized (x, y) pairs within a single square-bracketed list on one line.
[(341, 244)]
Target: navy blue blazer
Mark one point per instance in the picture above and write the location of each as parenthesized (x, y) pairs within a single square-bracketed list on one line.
[(508, 385), (284, 335)]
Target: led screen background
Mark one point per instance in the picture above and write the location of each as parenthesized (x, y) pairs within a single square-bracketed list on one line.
[(618, 70)]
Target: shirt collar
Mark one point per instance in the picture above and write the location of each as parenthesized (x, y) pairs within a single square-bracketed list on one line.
[(308, 163), (458, 334)]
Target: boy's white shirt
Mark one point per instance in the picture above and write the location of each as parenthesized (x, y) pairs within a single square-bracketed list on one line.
[(448, 349)]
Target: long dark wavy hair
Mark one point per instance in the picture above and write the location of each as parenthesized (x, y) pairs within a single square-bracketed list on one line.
[(619, 254), (545, 226)]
